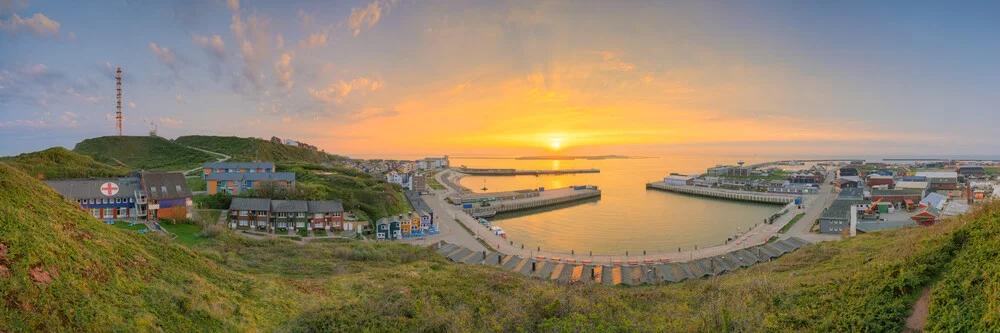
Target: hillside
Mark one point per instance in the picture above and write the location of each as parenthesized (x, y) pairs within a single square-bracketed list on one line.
[(143, 152), (61, 270), (59, 162), (251, 149)]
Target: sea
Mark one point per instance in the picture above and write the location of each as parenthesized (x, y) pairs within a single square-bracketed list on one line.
[(627, 216)]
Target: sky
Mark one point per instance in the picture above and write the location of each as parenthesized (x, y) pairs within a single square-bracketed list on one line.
[(510, 78)]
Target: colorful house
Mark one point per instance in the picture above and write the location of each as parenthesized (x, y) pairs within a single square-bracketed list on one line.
[(236, 183), (237, 167), (167, 195), (388, 229), (326, 215), (104, 198)]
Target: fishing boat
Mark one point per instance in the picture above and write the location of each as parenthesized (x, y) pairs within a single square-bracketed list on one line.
[(484, 222)]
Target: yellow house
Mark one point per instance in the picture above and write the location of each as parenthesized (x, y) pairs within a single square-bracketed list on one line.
[(404, 225)]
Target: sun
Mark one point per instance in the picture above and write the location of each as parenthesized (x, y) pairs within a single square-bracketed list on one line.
[(556, 144)]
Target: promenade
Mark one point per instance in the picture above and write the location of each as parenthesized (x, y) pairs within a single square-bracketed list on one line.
[(447, 214)]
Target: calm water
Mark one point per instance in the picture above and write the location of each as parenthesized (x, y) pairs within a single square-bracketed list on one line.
[(627, 216)]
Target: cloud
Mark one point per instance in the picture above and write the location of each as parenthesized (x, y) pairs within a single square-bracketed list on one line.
[(613, 62), (213, 45), (254, 42), (458, 89), (131, 105), (234, 5), (39, 25), (283, 71), (336, 92), (368, 15), (286, 120), (170, 122), (314, 40), (281, 42), (70, 114), (178, 98), (166, 56)]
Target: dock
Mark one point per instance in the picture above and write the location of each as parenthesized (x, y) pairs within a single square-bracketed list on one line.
[(769, 198), (529, 199), (515, 172)]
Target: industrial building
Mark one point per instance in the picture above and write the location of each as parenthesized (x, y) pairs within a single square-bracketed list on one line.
[(941, 180), (848, 172), (877, 180), (971, 171), (898, 197), (679, 180), (837, 218)]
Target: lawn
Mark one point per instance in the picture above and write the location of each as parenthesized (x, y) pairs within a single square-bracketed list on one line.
[(434, 184), (187, 234), (197, 184), (210, 216), (281, 232), (790, 223), (319, 233), (124, 225)]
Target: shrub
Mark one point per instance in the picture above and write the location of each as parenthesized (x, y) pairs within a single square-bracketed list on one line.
[(303, 232), (212, 231)]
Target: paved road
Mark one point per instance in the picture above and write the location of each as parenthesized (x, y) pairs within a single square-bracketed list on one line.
[(222, 159), (446, 214)]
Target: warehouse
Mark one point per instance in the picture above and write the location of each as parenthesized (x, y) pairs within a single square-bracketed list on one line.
[(941, 180), (897, 197), (876, 180)]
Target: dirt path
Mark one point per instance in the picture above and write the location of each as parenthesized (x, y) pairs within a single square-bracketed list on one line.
[(915, 322)]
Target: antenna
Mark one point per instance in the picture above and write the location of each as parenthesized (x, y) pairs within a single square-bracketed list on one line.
[(118, 116)]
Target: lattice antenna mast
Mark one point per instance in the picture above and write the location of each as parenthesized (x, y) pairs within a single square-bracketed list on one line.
[(118, 116)]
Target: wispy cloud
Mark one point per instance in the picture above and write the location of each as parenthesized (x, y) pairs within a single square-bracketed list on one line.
[(170, 122), (211, 44), (368, 15), (38, 24), (283, 71)]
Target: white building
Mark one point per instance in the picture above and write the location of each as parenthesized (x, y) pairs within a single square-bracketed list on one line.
[(679, 180), (433, 163)]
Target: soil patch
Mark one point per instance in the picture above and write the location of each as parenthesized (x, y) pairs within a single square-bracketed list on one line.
[(915, 322)]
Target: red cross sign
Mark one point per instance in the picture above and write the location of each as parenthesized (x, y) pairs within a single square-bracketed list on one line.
[(109, 189)]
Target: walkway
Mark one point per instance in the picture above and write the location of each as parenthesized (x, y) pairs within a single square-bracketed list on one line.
[(222, 159)]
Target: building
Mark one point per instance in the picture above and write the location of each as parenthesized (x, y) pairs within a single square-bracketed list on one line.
[(275, 139), (246, 213), (431, 163), (679, 180), (236, 183), (792, 189), (388, 228), (837, 218), (876, 180), (236, 167), (326, 214), (104, 198), (418, 182), (848, 171), (971, 171), (843, 183), (927, 216), (897, 197), (914, 179), (941, 180), (935, 200), (706, 181), (805, 177), (420, 206), (267, 214), (718, 171), (739, 171), (913, 185), (167, 195)]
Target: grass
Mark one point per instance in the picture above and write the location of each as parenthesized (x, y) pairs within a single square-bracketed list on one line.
[(281, 232), (187, 234), (302, 232), (143, 152), (433, 183), (465, 227), (125, 225), (333, 240), (992, 171), (197, 184), (58, 162), (63, 270), (790, 223), (210, 216), (319, 233)]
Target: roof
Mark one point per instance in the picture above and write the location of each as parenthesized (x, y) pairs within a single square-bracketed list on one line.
[(851, 193), (416, 201), (250, 204), (914, 178), (257, 176), (912, 185), (938, 174), (289, 206), (841, 208), (87, 188), (168, 185), (325, 206), (681, 177), (887, 193), (879, 177), (935, 200), (240, 165)]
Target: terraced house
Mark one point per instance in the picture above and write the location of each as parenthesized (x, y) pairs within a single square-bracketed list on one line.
[(234, 178), (271, 215)]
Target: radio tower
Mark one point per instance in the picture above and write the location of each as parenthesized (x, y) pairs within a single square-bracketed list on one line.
[(118, 116)]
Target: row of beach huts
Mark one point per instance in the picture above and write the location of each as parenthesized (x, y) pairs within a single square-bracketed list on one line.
[(632, 272)]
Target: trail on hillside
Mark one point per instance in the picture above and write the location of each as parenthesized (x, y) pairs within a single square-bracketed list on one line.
[(915, 322), (222, 159)]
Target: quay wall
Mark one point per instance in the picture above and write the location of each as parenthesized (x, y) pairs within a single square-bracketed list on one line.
[(514, 172), (529, 203), (724, 194)]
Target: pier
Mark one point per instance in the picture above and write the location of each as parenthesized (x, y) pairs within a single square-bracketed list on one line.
[(527, 200), (515, 172), (769, 198)]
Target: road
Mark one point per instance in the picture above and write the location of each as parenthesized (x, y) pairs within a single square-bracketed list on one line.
[(223, 159), (451, 232)]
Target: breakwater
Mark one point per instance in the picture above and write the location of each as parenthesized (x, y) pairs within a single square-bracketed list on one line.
[(515, 172), (545, 198), (769, 198), (631, 272)]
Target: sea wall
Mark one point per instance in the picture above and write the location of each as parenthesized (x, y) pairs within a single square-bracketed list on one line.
[(724, 194)]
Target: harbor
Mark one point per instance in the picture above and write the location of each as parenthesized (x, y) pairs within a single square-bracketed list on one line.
[(767, 198), (490, 204)]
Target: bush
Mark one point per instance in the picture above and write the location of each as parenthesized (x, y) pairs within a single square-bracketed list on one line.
[(212, 231), (219, 200), (303, 232)]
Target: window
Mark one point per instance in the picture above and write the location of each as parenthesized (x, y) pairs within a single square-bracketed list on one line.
[(178, 187), (243, 213), (152, 189), (163, 189), (302, 214), (244, 223), (249, 184), (318, 215), (336, 214)]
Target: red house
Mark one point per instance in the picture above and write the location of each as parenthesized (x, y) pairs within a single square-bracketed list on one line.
[(876, 180), (326, 215), (927, 216)]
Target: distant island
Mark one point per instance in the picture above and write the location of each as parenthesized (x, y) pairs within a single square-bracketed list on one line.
[(600, 157)]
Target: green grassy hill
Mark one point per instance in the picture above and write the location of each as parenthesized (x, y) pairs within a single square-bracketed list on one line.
[(143, 152), (250, 149), (59, 162), (61, 270)]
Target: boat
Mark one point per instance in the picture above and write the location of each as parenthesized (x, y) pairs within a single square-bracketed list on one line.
[(484, 221), (484, 213), (498, 231)]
